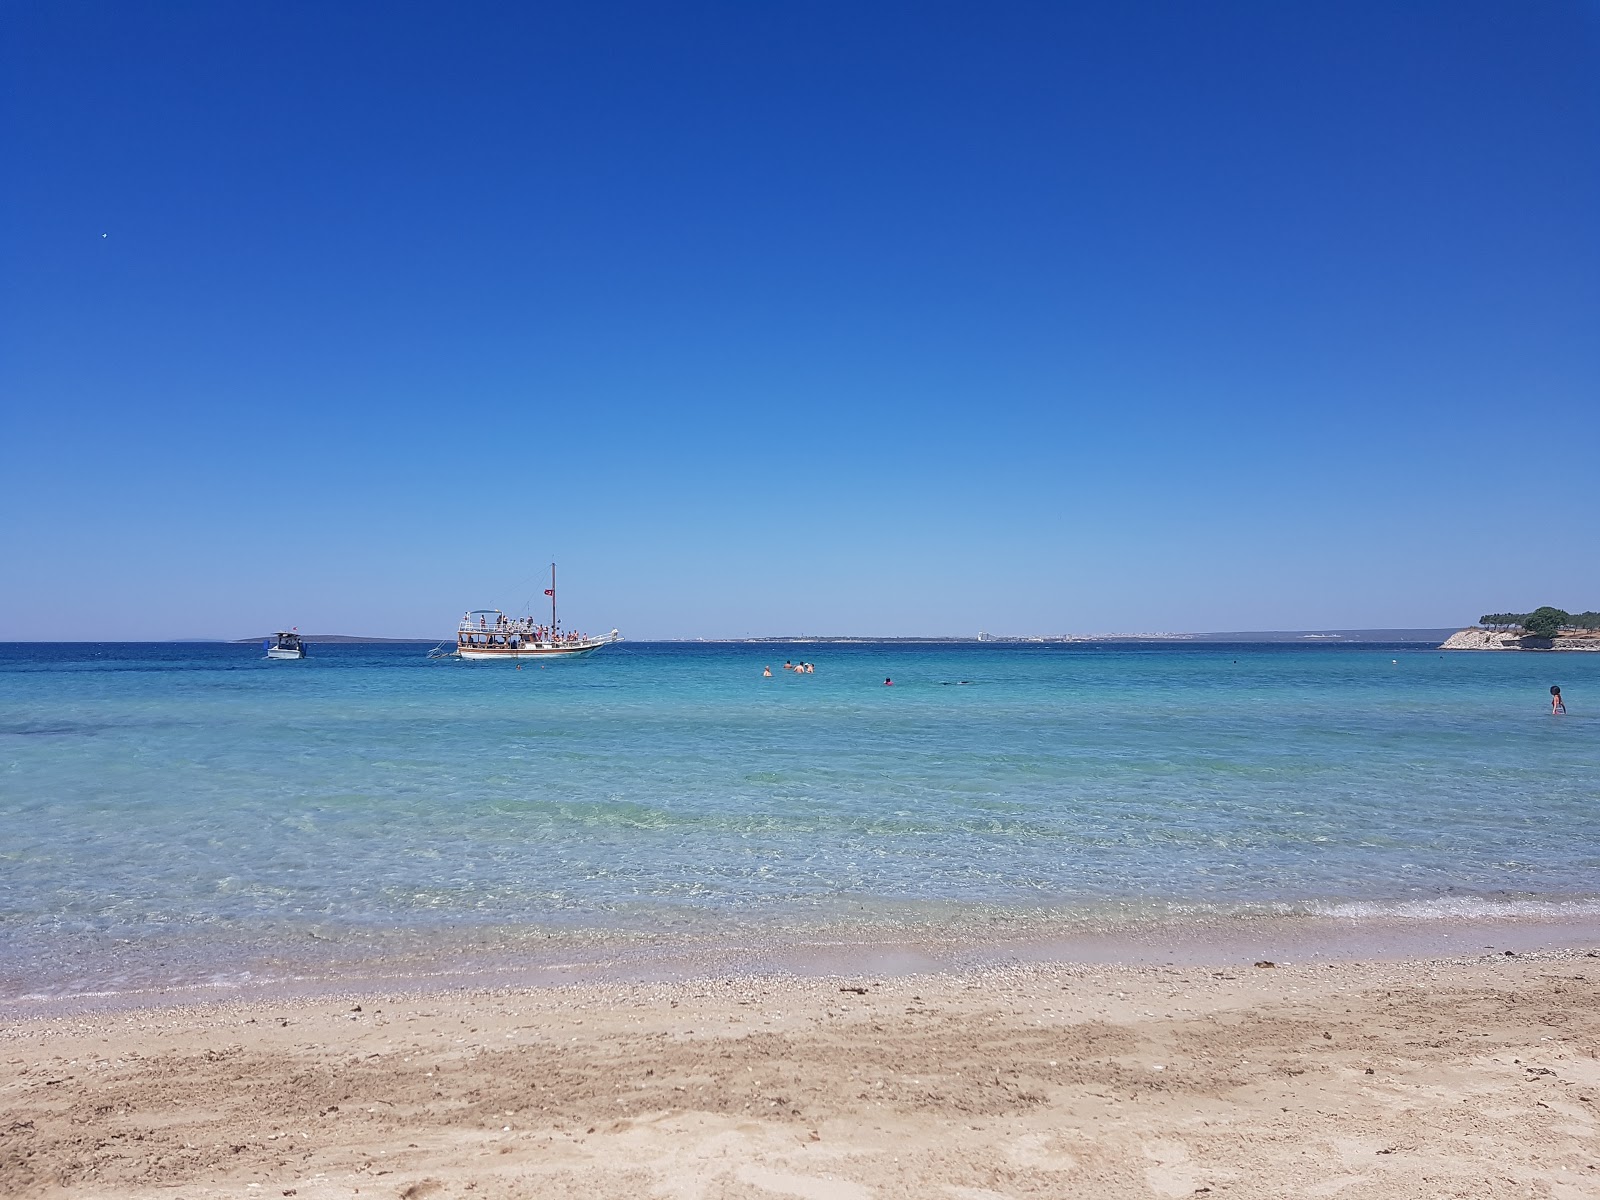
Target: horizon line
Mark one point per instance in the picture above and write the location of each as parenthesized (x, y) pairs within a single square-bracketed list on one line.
[(984, 638)]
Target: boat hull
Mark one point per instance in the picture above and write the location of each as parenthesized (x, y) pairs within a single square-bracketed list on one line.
[(490, 653), (487, 650), (279, 652)]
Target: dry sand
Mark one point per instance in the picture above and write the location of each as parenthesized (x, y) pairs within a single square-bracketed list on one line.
[(1468, 1077)]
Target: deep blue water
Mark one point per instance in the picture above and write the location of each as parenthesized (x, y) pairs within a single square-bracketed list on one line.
[(200, 798)]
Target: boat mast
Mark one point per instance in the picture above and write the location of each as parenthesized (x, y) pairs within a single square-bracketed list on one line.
[(553, 625)]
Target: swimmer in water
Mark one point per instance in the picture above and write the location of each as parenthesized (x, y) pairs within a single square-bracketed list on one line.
[(787, 665), (766, 672), (887, 682), (1558, 706)]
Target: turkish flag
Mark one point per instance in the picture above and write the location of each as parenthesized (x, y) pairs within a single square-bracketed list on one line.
[(549, 591)]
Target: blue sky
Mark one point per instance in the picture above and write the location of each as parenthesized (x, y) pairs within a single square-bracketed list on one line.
[(826, 318)]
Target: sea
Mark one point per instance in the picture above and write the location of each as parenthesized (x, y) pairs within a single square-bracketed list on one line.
[(195, 816)]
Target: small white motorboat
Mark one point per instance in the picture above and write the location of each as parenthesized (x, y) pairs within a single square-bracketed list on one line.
[(286, 645)]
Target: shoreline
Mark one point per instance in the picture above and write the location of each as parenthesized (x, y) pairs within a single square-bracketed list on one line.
[(885, 950), (1424, 1075)]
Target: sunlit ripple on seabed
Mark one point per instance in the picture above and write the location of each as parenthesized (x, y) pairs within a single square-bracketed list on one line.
[(182, 813)]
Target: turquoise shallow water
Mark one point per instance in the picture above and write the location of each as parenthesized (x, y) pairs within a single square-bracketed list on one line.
[(172, 810)]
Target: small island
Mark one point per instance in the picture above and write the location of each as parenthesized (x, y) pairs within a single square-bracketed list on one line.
[(1544, 628)]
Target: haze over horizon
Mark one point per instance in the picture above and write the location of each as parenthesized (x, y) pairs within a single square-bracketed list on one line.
[(904, 319)]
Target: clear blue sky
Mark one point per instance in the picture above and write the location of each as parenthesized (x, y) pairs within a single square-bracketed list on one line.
[(814, 318)]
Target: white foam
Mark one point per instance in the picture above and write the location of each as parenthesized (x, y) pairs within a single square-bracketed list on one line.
[(1461, 908)]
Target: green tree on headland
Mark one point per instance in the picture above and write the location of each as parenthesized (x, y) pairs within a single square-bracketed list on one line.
[(1583, 620), (1502, 620), (1545, 622)]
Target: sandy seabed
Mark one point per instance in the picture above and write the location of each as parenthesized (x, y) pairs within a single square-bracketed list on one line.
[(1473, 1077)]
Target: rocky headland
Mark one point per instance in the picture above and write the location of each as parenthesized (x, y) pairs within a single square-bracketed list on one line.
[(1495, 639)]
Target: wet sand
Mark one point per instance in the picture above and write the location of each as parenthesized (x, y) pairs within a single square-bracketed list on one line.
[(1471, 1076)]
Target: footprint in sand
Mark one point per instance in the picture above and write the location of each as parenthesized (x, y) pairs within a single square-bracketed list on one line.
[(1173, 1173), (1038, 1150), (1332, 1187), (807, 1187)]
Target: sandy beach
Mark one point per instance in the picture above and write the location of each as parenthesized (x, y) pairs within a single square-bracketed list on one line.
[(1472, 1076)]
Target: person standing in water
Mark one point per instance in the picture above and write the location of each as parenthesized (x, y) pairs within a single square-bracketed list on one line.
[(1558, 706), (766, 672)]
